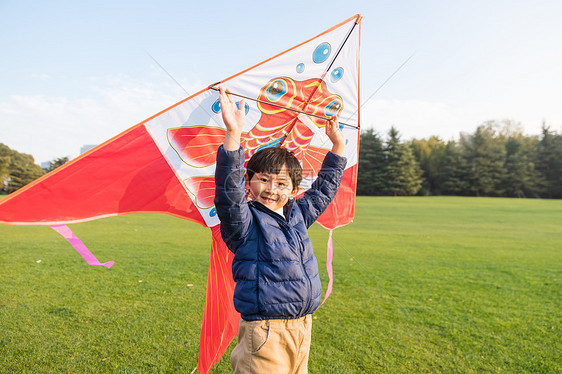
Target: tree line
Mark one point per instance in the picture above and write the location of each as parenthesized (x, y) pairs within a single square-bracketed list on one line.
[(18, 169), (495, 160)]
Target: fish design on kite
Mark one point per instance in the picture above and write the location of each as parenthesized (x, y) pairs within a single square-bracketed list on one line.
[(278, 126)]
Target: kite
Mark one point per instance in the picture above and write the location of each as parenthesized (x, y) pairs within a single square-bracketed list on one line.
[(165, 164)]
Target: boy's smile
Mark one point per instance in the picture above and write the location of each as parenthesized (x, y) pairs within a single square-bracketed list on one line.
[(271, 190)]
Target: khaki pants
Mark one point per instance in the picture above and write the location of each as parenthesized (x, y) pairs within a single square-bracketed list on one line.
[(275, 346)]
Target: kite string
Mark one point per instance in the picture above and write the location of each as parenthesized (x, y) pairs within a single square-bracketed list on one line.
[(374, 93), (170, 75), (194, 98), (382, 85)]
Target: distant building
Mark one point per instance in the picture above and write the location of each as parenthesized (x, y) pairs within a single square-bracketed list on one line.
[(87, 147)]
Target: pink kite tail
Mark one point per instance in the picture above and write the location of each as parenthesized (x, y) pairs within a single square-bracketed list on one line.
[(67, 233), (329, 256)]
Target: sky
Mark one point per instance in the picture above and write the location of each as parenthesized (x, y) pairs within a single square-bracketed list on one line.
[(74, 73)]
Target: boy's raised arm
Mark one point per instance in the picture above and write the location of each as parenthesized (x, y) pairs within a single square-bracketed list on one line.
[(325, 187), (230, 198), (334, 133), (233, 119)]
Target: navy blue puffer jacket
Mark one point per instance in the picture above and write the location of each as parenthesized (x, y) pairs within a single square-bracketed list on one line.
[(274, 267)]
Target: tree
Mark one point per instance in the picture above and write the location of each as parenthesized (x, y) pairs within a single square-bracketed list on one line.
[(485, 153), (549, 161), (5, 162), (403, 172), (4, 170), (21, 169), (455, 174), (430, 155), (521, 179), (495, 160), (56, 163), (372, 165)]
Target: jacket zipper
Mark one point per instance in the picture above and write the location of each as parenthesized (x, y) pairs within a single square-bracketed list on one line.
[(306, 305), (284, 222)]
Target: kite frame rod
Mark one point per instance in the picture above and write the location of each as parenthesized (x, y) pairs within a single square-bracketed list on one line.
[(212, 87)]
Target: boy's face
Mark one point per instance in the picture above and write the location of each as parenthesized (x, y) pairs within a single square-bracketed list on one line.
[(272, 190)]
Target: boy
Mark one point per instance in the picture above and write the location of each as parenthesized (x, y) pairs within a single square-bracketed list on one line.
[(276, 273)]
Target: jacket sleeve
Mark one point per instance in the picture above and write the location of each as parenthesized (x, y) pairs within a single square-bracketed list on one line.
[(323, 190), (230, 199)]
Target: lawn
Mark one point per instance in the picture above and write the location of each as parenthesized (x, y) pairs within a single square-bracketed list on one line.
[(422, 285)]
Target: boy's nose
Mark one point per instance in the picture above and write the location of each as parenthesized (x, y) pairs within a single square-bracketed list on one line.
[(271, 186)]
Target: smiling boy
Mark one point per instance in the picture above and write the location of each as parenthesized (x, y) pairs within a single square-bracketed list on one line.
[(276, 272)]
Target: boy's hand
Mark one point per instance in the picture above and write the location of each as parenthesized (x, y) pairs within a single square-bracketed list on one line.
[(334, 133), (233, 119)]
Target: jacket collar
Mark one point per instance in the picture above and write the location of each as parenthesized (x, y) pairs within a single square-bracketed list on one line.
[(286, 209)]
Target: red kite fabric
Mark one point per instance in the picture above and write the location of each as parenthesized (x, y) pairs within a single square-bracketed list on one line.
[(165, 164)]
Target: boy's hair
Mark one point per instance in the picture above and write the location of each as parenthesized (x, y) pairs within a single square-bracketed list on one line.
[(271, 161)]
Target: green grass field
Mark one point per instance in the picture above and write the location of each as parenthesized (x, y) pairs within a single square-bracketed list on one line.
[(422, 285)]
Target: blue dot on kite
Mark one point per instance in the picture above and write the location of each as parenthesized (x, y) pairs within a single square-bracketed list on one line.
[(321, 53), (216, 106), (336, 75), (213, 212), (246, 107), (300, 68)]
